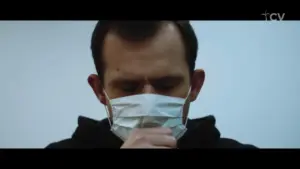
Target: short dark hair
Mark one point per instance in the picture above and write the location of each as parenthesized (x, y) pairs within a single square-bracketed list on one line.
[(140, 31)]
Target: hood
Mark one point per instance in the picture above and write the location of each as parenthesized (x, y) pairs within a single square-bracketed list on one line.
[(201, 133)]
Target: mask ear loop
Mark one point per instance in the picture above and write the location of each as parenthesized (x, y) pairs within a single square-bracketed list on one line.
[(106, 109), (186, 119)]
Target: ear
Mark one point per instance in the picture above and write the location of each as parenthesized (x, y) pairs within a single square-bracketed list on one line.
[(196, 83), (97, 87)]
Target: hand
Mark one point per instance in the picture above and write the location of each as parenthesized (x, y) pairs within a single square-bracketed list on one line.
[(150, 138)]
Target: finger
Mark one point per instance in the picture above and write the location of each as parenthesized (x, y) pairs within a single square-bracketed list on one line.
[(161, 140), (161, 147), (156, 130), (156, 147)]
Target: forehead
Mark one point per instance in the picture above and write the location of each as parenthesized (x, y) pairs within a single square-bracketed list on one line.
[(162, 55)]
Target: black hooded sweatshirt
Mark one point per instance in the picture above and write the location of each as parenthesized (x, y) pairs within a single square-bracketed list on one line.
[(201, 133)]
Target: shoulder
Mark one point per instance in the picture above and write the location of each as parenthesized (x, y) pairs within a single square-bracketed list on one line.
[(89, 133), (202, 132), (231, 143), (84, 128), (69, 143), (66, 143)]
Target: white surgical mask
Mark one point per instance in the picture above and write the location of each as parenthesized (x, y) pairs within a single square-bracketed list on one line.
[(145, 111)]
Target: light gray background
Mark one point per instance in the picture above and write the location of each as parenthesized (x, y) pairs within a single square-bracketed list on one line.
[(252, 84)]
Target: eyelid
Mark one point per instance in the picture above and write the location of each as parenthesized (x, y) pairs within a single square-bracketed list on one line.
[(164, 86), (171, 82), (129, 86)]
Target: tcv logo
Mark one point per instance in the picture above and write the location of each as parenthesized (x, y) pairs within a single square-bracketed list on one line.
[(273, 16)]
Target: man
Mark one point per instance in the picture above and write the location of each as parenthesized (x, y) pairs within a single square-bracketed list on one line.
[(146, 80)]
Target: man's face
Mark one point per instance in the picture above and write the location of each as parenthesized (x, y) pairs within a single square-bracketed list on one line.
[(157, 65)]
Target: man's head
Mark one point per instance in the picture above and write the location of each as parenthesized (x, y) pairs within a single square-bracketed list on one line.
[(134, 57)]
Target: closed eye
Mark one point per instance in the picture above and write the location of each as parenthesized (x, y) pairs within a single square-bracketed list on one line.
[(167, 83), (129, 88)]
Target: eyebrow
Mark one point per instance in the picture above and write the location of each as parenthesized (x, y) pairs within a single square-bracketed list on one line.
[(167, 79), (156, 80)]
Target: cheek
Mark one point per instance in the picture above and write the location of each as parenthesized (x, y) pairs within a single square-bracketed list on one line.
[(182, 90)]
